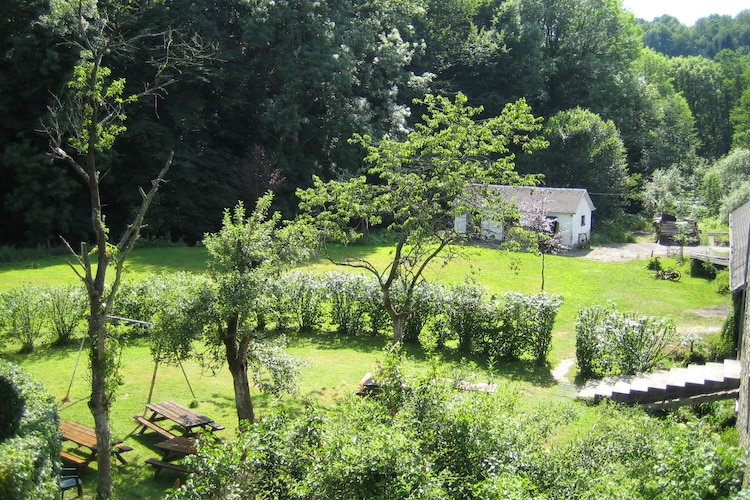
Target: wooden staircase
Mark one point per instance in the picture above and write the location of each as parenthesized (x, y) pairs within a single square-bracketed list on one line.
[(665, 389)]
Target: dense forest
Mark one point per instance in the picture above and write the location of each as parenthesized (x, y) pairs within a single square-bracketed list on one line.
[(649, 116)]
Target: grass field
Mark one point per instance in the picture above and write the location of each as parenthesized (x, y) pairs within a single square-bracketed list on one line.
[(335, 364)]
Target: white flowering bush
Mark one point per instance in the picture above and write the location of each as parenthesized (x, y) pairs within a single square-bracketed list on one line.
[(521, 325), (303, 296), (346, 292), (609, 342)]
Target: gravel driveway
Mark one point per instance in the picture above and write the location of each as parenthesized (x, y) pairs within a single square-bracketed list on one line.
[(621, 252)]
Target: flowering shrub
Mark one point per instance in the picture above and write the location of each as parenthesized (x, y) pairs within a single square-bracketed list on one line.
[(467, 309), (347, 292), (612, 343), (521, 325), (425, 303), (303, 295), (22, 315)]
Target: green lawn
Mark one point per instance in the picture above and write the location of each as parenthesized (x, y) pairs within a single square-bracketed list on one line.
[(335, 364)]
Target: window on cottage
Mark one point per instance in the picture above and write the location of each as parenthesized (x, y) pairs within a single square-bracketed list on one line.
[(583, 220)]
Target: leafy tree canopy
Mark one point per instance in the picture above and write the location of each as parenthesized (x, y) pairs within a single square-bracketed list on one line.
[(418, 186)]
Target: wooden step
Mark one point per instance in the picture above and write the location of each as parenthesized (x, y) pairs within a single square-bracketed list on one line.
[(732, 369), (676, 378), (715, 372)]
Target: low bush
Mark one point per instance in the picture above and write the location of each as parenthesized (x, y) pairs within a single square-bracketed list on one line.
[(520, 325), (29, 437), (66, 309), (347, 292), (427, 441), (609, 342), (721, 282), (22, 315), (302, 296), (426, 301)]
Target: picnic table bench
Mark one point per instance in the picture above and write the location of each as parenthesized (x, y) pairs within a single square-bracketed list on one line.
[(178, 414), (172, 449), (86, 444)]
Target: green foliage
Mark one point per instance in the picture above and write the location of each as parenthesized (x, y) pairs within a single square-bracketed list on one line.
[(30, 437), (668, 191), (425, 440), (467, 314), (724, 184), (22, 315), (422, 185), (347, 292), (66, 310), (628, 450), (425, 301), (421, 441), (302, 296), (609, 342), (176, 306), (585, 150), (722, 282), (519, 325), (702, 82), (103, 93)]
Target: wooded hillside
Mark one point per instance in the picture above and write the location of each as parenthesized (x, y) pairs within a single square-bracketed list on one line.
[(649, 116)]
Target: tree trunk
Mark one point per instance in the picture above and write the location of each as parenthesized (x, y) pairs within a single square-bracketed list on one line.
[(398, 328), (242, 398), (99, 402), (542, 271), (237, 361)]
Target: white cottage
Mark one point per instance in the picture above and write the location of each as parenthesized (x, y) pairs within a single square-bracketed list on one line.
[(572, 207)]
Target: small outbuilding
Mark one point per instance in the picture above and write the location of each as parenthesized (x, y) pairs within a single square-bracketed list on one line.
[(571, 207)]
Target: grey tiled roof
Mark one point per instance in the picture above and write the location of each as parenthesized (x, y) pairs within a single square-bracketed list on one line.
[(557, 200)]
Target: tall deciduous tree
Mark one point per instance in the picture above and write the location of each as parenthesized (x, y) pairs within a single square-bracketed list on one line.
[(245, 256), (83, 125), (419, 186), (584, 151), (592, 41), (36, 198), (701, 81)]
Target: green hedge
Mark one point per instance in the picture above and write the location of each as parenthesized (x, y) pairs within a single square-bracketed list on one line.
[(29, 437)]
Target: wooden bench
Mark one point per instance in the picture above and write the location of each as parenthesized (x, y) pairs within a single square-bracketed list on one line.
[(122, 447), (73, 459), (146, 423), (216, 427), (159, 465)]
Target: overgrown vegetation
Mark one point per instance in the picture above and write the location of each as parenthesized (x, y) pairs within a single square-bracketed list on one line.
[(327, 379), (425, 440), (609, 342)]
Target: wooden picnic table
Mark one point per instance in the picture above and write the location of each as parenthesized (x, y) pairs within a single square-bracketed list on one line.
[(85, 439), (183, 417), (172, 449)]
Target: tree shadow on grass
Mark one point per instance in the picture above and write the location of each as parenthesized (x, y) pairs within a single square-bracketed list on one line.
[(335, 340), (523, 370), (45, 351)]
